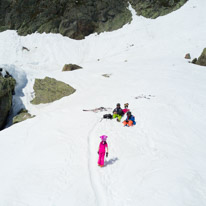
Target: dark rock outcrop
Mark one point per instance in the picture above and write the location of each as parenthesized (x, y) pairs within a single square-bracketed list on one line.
[(7, 86), (202, 59), (70, 67), (194, 61), (77, 18), (155, 8), (49, 89), (73, 18)]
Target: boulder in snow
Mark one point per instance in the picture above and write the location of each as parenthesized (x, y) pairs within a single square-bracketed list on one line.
[(202, 59), (106, 75), (49, 90), (22, 115), (194, 61), (187, 56), (71, 67)]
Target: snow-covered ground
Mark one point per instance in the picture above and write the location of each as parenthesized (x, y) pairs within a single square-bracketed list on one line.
[(51, 160)]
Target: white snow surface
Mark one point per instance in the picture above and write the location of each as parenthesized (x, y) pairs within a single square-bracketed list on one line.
[(51, 160)]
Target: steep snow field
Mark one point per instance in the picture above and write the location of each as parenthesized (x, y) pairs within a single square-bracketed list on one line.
[(51, 160)]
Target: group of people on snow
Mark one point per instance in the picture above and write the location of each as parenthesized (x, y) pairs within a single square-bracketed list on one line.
[(118, 113)]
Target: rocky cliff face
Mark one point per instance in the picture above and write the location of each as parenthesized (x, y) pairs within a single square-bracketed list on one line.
[(7, 85), (155, 8), (77, 18)]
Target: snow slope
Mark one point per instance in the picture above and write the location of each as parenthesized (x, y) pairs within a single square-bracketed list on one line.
[(51, 160)]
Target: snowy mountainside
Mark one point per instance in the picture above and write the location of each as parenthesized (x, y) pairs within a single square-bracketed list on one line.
[(51, 160)]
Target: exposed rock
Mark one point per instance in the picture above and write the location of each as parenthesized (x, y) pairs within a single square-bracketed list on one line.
[(106, 75), (77, 18), (25, 48), (71, 67), (21, 116), (7, 86), (187, 56), (202, 59), (72, 18), (194, 61), (155, 8), (48, 90)]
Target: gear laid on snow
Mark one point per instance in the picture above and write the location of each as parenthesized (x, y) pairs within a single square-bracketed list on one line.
[(107, 116), (100, 109)]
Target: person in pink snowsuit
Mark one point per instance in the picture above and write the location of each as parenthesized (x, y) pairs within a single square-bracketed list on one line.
[(125, 110), (103, 148)]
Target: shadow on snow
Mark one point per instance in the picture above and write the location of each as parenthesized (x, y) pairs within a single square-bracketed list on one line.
[(111, 161)]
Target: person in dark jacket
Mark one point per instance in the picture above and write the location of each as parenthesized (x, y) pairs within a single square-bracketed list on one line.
[(118, 113), (130, 120)]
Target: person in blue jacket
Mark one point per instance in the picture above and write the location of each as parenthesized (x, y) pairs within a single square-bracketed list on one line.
[(130, 120)]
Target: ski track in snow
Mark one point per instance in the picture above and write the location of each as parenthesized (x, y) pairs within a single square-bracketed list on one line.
[(96, 187), (98, 176), (102, 179)]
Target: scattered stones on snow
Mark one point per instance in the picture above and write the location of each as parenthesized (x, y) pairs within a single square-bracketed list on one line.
[(144, 96)]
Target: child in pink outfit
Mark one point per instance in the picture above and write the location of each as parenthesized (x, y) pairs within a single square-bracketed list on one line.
[(103, 147), (125, 110)]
